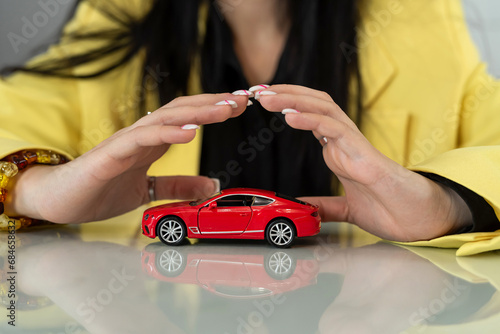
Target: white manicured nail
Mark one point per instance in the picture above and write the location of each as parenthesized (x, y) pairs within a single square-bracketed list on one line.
[(190, 127), (249, 103), (231, 103), (290, 111), (263, 92), (217, 185), (243, 92), (258, 87)]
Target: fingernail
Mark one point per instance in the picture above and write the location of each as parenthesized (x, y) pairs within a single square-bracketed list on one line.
[(217, 185), (190, 127), (258, 87), (231, 103), (243, 92), (263, 92), (249, 103), (290, 111)]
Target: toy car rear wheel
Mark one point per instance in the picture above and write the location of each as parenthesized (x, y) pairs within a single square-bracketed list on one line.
[(280, 265), (280, 233), (171, 231)]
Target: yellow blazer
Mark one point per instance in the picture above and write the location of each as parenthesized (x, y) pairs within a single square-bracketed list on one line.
[(429, 103)]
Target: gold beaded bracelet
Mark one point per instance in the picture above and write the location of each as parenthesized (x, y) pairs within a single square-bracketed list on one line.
[(9, 167)]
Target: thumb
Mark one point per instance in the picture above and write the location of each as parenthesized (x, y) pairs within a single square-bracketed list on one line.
[(185, 187), (331, 209)]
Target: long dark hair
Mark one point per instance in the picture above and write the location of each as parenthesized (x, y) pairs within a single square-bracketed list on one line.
[(169, 34)]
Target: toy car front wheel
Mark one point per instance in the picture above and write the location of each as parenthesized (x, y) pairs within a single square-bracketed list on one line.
[(280, 233), (170, 262), (171, 231)]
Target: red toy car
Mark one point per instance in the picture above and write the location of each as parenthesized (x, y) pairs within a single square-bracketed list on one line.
[(238, 213)]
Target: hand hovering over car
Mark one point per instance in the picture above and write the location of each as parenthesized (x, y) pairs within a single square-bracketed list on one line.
[(111, 178), (381, 196)]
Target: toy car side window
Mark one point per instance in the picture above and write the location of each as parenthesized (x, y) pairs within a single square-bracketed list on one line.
[(250, 200), (261, 201), (232, 200)]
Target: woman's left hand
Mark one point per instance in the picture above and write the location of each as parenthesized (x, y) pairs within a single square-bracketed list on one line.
[(381, 196)]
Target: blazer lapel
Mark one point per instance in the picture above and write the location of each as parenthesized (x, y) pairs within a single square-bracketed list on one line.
[(377, 69)]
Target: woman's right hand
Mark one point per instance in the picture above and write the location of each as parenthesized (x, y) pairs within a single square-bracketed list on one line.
[(381, 196), (111, 178)]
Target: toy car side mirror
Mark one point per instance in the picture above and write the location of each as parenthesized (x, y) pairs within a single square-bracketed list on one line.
[(212, 205)]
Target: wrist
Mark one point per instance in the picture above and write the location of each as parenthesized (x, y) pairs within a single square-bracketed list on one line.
[(10, 168), (466, 207), (24, 191), (460, 215), (455, 213)]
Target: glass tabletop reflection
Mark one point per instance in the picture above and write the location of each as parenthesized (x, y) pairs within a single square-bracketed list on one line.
[(106, 277)]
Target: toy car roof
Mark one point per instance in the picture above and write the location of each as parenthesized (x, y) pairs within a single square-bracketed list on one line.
[(251, 191)]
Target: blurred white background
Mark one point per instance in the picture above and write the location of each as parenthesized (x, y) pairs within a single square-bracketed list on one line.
[(483, 18)]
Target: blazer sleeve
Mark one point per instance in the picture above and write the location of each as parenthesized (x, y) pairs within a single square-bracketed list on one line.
[(475, 164), (44, 112), (38, 113)]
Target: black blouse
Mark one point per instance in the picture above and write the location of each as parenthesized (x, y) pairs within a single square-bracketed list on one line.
[(257, 149)]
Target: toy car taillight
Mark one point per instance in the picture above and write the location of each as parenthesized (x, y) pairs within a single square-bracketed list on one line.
[(314, 214)]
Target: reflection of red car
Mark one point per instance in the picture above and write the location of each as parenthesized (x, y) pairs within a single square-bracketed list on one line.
[(234, 214), (252, 272)]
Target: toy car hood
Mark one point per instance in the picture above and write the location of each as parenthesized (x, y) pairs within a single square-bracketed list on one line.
[(169, 205)]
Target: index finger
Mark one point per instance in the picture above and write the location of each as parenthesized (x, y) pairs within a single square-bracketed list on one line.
[(204, 99), (300, 90), (197, 109)]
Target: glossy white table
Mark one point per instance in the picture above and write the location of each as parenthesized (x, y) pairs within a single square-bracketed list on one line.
[(107, 278)]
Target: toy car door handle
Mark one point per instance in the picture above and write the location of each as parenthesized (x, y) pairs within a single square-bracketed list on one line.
[(243, 214)]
